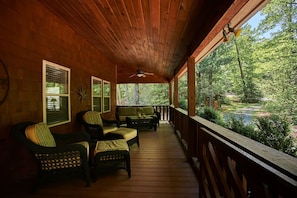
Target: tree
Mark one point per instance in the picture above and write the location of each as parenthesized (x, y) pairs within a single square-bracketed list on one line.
[(277, 57), (143, 94), (211, 75), (242, 53)]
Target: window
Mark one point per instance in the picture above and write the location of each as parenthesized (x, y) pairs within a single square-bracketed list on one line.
[(106, 95), (96, 94), (56, 94)]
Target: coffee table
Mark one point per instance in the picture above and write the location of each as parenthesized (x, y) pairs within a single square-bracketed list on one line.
[(141, 122)]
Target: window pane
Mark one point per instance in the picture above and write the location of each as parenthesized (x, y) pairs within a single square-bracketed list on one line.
[(97, 104), (106, 104), (106, 89), (97, 87), (96, 94), (106, 94), (57, 109), (56, 78)]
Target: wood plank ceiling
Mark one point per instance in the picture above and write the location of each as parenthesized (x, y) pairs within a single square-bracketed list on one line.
[(157, 35)]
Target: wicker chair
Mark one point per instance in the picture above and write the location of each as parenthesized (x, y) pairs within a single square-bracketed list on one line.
[(67, 159)]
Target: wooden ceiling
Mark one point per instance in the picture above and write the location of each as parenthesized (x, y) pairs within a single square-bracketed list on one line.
[(157, 35)]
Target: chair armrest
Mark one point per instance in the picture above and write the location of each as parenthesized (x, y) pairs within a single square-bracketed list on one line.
[(61, 149), (108, 122), (113, 136), (69, 138), (118, 119), (158, 114), (94, 130)]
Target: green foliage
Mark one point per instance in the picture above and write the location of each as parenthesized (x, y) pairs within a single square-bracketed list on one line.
[(212, 77), (238, 126), (276, 56), (274, 131), (268, 63), (226, 100), (212, 115), (183, 91), (183, 103), (143, 94)]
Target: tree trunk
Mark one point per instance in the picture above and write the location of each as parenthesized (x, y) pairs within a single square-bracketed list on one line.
[(136, 94), (127, 94)]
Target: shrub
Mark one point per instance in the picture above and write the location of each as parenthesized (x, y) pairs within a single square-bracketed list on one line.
[(226, 101), (237, 125), (212, 115), (183, 104), (274, 131)]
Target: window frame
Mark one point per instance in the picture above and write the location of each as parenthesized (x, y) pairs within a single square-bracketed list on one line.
[(94, 78), (105, 82), (45, 94)]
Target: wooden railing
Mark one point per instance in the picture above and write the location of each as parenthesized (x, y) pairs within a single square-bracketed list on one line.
[(164, 111), (231, 165)]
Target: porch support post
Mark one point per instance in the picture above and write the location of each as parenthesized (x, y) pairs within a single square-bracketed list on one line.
[(170, 93), (191, 86), (175, 102)]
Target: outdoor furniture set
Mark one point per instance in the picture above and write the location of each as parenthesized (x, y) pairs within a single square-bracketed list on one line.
[(72, 154)]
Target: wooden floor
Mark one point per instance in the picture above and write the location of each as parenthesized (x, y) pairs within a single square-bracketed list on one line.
[(159, 169)]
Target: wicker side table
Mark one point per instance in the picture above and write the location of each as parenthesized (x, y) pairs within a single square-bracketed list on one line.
[(111, 154)]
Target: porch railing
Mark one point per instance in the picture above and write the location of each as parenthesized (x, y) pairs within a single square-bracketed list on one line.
[(231, 165)]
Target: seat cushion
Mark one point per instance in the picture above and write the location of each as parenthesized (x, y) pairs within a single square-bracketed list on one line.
[(111, 145), (108, 129), (40, 134), (127, 133), (86, 145), (93, 117)]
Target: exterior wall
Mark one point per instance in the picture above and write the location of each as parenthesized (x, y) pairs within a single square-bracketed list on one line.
[(30, 33)]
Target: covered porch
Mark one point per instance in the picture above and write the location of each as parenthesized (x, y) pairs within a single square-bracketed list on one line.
[(187, 156)]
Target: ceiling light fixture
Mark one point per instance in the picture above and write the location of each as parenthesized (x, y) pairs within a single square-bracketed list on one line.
[(230, 30)]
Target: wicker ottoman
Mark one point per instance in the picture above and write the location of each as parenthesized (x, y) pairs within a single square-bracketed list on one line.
[(111, 155), (129, 134)]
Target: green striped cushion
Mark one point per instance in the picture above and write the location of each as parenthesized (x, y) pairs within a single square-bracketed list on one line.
[(93, 117), (40, 134)]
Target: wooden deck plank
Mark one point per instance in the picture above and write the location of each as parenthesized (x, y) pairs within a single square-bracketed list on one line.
[(159, 169)]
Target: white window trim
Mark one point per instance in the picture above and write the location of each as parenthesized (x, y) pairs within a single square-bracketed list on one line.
[(92, 94), (44, 94), (103, 96)]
